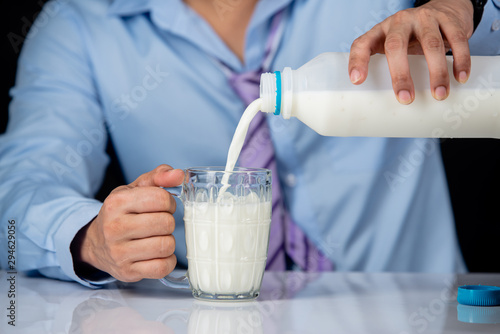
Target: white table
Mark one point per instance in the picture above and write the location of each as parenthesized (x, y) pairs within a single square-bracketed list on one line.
[(290, 302)]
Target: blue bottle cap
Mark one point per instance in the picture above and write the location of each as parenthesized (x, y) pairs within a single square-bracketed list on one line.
[(479, 295), (277, 109)]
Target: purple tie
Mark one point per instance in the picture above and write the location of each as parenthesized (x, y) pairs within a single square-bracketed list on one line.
[(286, 238)]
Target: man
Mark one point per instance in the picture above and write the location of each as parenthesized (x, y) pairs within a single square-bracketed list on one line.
[(153, 75)]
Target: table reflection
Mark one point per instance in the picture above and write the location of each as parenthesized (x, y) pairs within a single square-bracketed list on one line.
[(291, 302), (97, 315), (478, 314), (219, 317)]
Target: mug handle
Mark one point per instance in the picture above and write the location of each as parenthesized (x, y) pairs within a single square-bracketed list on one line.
[(181, 282), (175, 191)]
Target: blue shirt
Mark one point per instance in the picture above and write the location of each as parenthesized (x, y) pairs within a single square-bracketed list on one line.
[(486, 38), (148, 73)]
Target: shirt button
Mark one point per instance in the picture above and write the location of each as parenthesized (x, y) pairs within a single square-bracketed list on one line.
[(496, 25), (290, 180)]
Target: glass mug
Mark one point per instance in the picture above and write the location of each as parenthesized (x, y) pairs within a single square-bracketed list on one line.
[(227, 219)]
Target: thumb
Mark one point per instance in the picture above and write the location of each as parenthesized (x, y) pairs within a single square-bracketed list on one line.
[(161, 176)]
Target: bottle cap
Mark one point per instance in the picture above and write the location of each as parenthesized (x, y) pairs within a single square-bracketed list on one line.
[(268, 92), (277, 108), (479, 295)]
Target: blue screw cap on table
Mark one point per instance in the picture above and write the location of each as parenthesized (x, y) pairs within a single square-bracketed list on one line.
[(479, 295)]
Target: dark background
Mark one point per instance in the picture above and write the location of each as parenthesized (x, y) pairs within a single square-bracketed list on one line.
[(472, 165)]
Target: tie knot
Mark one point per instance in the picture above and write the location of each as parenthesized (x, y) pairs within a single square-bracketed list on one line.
[(246, 85)]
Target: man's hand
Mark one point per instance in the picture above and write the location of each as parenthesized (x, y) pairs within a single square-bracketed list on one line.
[(131, 237), (431, 30)]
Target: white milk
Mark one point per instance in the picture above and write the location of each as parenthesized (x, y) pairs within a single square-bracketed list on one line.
[(227, 243), (473, 113), (240, 134)]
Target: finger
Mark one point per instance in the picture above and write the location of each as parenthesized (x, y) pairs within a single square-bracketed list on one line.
[(147, 249), (396, 46), (154, 268), (361, 50), (161, 176), (456, 38), (148, 225), (139, 200), (431, 40)]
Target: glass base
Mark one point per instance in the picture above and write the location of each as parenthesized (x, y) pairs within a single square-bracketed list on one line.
[(225, 297)]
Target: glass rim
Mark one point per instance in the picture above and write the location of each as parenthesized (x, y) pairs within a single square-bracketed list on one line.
[(222, 169)]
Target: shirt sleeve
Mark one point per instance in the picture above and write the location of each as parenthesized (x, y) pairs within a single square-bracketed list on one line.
[(52, 157), (486, 39)]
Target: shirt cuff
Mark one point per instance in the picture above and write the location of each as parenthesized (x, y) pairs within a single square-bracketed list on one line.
[(81, 215)]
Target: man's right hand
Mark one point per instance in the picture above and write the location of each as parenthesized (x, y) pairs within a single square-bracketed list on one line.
[(131, 237), (431, 29)]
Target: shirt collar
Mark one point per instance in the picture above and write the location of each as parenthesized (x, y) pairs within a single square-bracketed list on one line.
[(164, 13), (168, 10), (176, 17), (129, 8)]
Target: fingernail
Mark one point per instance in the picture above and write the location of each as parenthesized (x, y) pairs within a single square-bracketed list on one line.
[(355, 76), (462, 77), (404, 97), (440, 93)]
